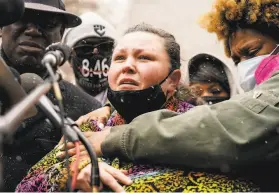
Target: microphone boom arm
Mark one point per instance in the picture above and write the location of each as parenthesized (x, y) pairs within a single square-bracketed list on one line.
[(13, 118)]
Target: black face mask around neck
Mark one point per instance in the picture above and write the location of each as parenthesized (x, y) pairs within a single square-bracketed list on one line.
[(210, 100), (132, 103)]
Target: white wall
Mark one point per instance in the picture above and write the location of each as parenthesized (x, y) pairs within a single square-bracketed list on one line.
[(180, 17)]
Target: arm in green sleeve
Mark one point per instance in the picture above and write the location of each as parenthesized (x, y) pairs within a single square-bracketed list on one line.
[(232, 132)]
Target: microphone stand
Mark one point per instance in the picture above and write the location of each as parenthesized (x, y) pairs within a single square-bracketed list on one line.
[(69, 127), (15, 116), (73, 133)]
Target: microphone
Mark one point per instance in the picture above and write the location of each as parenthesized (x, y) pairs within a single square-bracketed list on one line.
[(16, 75), (71, 130), (11, 91), (57, 54), (29, 82), (10, 11)]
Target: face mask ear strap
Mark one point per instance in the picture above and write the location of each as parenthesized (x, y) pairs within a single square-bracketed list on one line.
[(275, 51), (166, 77), (171, 71)]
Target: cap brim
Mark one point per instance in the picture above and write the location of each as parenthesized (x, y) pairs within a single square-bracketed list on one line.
[(70, 19)]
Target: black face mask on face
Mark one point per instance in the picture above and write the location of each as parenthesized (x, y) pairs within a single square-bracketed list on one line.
[(91, 63), (91, 73), (130, 104), (214, 99)]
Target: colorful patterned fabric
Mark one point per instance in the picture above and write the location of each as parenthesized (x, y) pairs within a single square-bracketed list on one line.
[(50, 174)]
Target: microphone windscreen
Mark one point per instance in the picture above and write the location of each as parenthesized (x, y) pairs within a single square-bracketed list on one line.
[(29, 81), (11, 89), (16, 75), (10, 11), (66, 50)]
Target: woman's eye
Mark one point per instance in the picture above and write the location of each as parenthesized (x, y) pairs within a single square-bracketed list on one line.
[(144, 57), (119, 58), (216, 91), (253, 52)]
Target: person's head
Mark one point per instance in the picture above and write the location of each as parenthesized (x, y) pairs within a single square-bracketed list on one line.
[(145, 56), (248, 28), (25, 41), (92, 43), (207, 77), (144, 71)]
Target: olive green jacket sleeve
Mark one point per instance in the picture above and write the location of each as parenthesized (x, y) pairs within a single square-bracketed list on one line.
[(232, 132)]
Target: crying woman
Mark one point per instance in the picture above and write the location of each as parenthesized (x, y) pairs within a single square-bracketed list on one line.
[(144, 76)]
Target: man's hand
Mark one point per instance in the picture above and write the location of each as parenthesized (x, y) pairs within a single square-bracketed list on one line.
[(110, 177), (101, 115), (95, 139)]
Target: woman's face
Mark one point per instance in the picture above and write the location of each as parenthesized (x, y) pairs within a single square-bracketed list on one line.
[(248, 43), (202, 89), (139, 61)]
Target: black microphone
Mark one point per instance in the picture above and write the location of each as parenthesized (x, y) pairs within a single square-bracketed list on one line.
[(6, 101), (57, 54), (10, 11), (16, 75), (29, 82), (71, 130), (11, 91)]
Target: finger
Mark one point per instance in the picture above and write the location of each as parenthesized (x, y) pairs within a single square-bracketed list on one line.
[(84, 154), (88, 134), (124, 172), (117, 174), (81, 120), (71, 152), (83, 186), (110, 181), (70, 145), (101, 125), (101, 187), (83, 180), (103, 120), (92, 118)]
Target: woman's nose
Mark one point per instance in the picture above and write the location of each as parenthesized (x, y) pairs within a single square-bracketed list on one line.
[(206, 93), (129, 66)]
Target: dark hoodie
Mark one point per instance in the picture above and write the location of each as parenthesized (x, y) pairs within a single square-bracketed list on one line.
[(36, 136)]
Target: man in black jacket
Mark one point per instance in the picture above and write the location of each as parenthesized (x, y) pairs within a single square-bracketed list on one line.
[(23, 47)]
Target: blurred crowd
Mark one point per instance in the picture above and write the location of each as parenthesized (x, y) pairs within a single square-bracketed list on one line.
[(154, 125)]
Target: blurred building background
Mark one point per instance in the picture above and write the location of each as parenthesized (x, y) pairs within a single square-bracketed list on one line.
[(180, 17)]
